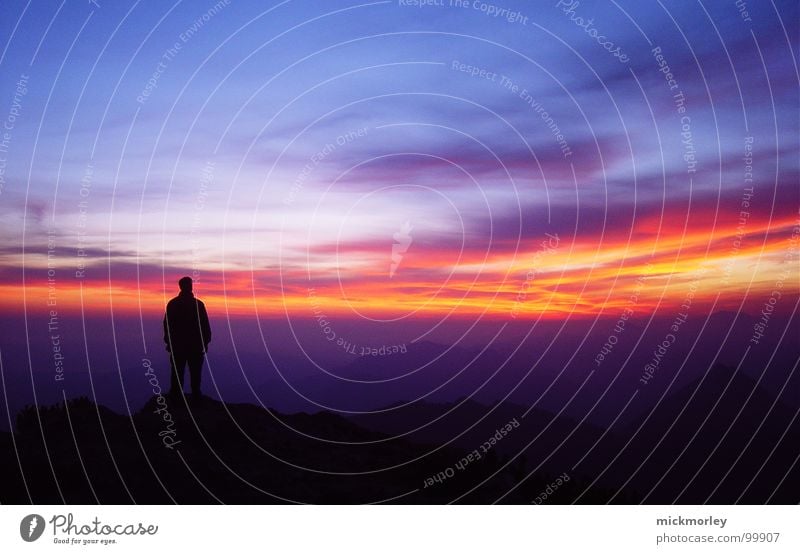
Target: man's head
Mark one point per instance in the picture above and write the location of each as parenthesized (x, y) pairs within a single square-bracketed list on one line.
[(185, 284)]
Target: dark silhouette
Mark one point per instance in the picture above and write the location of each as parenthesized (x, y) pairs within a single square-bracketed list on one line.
[(186, 334), (79, 452)]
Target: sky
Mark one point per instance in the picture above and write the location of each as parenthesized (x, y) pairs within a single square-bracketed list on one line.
[(386, 161), (585, 208)]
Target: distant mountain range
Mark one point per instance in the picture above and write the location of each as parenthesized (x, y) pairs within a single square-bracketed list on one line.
[(210, 451), (720, 439)]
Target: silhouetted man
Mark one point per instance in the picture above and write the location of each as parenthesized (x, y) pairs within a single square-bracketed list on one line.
[(187, 334)]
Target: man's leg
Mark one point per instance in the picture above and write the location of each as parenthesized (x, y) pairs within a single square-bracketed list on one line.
[(178, 363), (195, 370)]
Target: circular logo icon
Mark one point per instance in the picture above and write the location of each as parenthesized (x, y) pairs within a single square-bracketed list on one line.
[(31, 527)]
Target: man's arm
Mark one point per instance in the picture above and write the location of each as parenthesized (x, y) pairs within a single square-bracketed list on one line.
[(166, 331), (205, 327)]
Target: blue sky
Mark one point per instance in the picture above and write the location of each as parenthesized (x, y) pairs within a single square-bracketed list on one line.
[(260, 90)]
